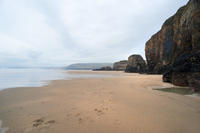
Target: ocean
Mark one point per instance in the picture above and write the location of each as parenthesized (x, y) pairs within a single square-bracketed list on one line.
[(12, 78)]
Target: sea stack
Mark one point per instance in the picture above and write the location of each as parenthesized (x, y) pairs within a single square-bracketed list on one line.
[(120, 66), (136, 64), (105, 68)]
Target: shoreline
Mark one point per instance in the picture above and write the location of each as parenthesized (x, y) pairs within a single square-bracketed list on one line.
[(105, 104), (73, 72), (2, 129)]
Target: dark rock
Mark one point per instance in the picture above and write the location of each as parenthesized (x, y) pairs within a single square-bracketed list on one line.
[(106, 68), (120, 66), (185, 71), (179, 34), (179, 79), (136, 64), (167, 76), (194, 81), (175, 49)]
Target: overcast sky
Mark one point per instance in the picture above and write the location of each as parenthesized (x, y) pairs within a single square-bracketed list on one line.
[(61, 32)]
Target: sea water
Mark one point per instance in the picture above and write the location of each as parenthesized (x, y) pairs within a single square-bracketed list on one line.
[(2, 130), (12, 78)]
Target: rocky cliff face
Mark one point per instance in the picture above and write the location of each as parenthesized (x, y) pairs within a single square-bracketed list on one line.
[(136, 64), (176, 42), (179, 34), (120, 66), (185, 71)]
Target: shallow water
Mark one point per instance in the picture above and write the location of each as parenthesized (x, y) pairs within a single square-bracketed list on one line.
[(11, 78), (2, 130)]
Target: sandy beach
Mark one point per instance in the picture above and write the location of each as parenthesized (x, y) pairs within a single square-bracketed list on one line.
[(123, 103)]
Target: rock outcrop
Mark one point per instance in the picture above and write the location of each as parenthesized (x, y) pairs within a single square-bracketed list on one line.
[(185, 71), (106, 68), (175, 49), (120, 66), (180, 33), (136, 64)]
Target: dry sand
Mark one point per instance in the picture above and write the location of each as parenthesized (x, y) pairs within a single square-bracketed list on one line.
[(121, 104)]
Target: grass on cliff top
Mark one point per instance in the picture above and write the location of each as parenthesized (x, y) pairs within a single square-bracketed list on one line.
[(181, 91)]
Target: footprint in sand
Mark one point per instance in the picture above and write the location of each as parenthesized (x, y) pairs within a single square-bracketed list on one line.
[(38, 122), (80, 119), (83, 119), (41, 121), (98, 112)]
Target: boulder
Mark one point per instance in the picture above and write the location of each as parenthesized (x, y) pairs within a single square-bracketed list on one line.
[(120, 66), (136, 64)]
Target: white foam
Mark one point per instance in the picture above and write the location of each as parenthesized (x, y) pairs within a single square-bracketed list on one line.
[(2, 130)]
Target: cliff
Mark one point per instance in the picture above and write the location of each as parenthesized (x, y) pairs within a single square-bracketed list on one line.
[(176, 42), (179, 34)]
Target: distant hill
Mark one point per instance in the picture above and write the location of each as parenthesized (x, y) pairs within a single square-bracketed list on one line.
[(87, 66)]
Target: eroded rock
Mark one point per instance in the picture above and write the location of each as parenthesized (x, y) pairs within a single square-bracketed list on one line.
[(175, 49), (179, 34), (120, 66), (106, 68), (185, 71), (136, 64)]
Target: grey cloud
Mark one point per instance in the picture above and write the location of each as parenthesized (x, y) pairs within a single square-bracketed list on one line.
[(60, 32)]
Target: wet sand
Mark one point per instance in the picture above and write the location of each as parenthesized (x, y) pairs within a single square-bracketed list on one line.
[(124, 103)]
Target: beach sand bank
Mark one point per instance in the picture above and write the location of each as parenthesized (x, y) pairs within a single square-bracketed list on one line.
[(124, 103)]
